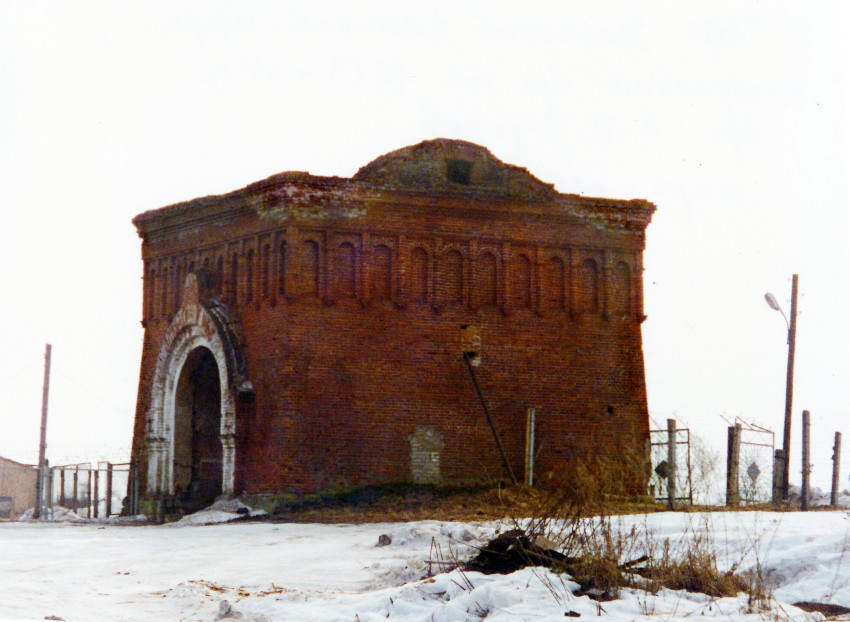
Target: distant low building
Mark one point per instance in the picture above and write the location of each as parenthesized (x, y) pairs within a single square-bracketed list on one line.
[(17, 487), (311, 334)]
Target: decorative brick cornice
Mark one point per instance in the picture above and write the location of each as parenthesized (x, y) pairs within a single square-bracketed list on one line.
[(412, 178)]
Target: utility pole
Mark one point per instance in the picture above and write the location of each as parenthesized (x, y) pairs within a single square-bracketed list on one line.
[(42, 448), (789, 386), (789, 382)]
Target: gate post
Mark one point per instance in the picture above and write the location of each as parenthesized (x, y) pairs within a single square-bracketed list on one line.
[(836, 468), (804, 491), (671, 462), (108, 489), (733, 459), (778, 473), (96, 506), (62, 501), (88, 493), (75, 502), (49, 487)]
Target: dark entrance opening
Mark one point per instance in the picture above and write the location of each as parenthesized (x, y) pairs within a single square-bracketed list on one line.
[(197, 430)]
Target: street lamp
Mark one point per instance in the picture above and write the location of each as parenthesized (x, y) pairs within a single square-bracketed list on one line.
[(789, 378), (771, 302)]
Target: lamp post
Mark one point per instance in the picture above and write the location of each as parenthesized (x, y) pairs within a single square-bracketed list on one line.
[(789, 378)]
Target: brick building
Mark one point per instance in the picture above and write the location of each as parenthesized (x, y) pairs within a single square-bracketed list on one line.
[(306, 334)]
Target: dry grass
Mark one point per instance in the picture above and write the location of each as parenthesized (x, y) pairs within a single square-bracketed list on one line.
[(400, 504), (696, 571), (413, 503)]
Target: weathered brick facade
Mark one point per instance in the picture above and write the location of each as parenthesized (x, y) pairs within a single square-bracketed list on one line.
[(304, 334)]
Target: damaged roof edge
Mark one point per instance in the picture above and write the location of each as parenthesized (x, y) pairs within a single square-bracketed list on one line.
[(438, 168)]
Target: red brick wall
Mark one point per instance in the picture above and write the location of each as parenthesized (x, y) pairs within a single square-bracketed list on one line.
[(351, 317)]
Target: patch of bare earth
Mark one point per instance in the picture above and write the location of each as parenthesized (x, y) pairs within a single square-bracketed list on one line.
[(466, 505)]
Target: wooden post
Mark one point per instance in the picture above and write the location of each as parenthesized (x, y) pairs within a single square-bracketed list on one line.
[(62, 501), (42, 446), (836, 468), (733, 459), (778, 473), (49, 482), (108, 489), (75, 501), (804, 491), (96, 503), (87, 499), (690, 483), (671, 462), (529, 447)]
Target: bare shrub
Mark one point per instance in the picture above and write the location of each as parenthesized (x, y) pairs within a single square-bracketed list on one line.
[(576, 515)]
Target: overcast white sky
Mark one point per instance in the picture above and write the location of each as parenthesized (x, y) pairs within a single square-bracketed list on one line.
[(733, 117)]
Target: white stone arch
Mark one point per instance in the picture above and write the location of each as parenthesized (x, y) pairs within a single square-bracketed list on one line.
[(194, 326)]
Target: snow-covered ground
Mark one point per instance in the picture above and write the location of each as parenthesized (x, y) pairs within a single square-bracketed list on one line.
[(79, 571)]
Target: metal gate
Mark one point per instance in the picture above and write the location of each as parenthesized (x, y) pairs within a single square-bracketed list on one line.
[(755, 463), (670, 463), (93, 491)]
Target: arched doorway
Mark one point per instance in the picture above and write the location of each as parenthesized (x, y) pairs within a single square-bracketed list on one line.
[(197, 431), (191, 420)]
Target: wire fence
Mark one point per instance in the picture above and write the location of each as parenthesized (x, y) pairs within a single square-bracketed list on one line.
[(670, 463)]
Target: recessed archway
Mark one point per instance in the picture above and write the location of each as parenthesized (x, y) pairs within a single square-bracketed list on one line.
[(197, 430)]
